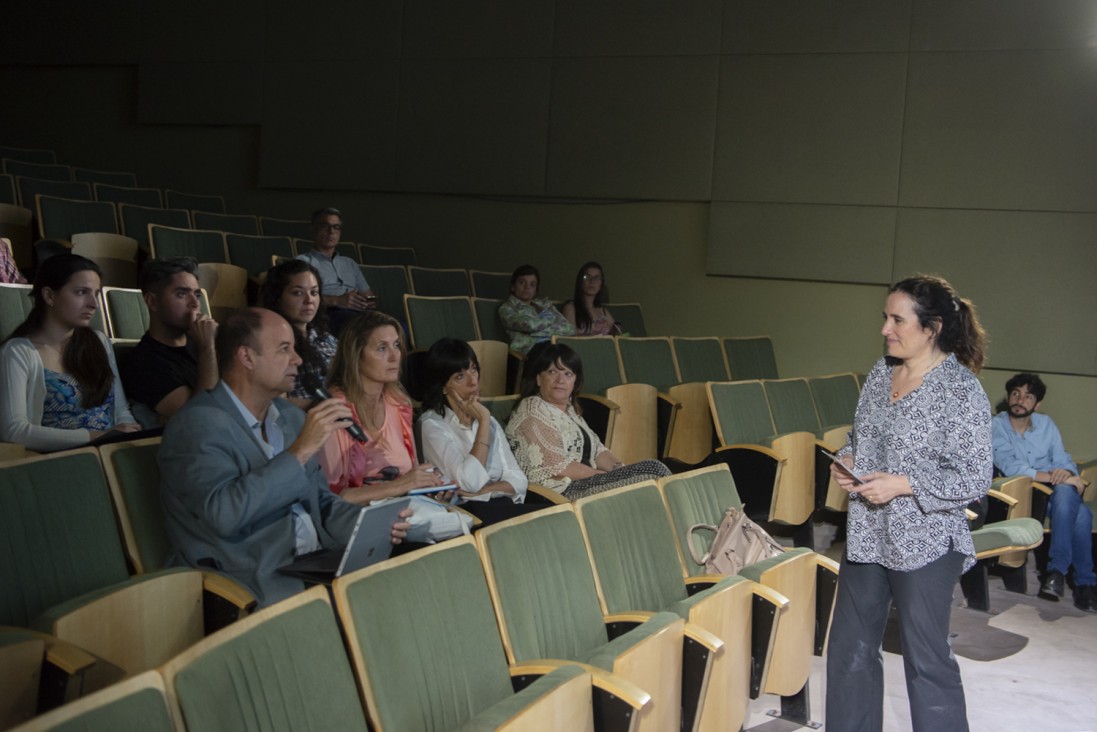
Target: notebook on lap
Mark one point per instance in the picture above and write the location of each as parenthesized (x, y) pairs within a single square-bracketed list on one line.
[(370, 542)]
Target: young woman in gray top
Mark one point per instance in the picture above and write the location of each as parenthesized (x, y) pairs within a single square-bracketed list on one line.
[(921, 442)]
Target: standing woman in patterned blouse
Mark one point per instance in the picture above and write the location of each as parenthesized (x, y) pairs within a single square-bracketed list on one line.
[(292, 289), (59, 385), (921, 442)]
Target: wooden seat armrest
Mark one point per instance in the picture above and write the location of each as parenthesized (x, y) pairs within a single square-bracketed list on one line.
[(1010, 501), (762, 449), (518, 355), (1042, 487), (631, 616), (674, 403), (970, 515), (710, 641), (826, 563), (604, 680), (770, 595), (548, 494), (231, 591), (70, 658), (457, 509), (607, 403)]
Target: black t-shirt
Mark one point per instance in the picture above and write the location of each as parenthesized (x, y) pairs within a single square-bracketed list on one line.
[(153, 370)]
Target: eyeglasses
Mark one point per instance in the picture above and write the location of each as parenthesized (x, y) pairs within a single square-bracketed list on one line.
[(593, 278), (332, 227)]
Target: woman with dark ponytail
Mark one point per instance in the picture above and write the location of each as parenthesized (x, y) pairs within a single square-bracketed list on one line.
[(921, 450), (59, 386)]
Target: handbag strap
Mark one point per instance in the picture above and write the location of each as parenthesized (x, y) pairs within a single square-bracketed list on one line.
[(689, 543)]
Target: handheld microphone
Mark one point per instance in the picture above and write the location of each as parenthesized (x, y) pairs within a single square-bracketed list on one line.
[(353, 428)]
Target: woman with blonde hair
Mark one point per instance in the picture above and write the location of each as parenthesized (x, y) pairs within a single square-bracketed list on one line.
[(365, 373)]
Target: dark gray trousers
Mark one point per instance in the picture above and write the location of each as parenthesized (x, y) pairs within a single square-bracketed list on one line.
[(855, 669)]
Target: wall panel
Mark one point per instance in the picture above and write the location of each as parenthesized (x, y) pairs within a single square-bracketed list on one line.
[(1029, 273), (631, 28), (633, 127), (810, 128), (816, 26), (795, 241)]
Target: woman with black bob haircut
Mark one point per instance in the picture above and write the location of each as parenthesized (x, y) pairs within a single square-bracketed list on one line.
[(554, 445), (921, 448), (463, 440), (60, 387), (292, 289), (586, 310)]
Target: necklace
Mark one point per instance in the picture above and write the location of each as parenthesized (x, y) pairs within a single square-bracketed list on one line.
[(936, 362)]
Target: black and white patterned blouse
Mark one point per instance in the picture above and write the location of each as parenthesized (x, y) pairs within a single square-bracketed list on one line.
[(938, 436)]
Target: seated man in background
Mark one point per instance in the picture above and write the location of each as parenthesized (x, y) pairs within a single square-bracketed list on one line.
[(241, 489), (343, 287), (175, 359), (1027, 443)]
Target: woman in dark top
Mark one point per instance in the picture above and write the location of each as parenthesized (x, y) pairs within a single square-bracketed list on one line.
[(292, 289)]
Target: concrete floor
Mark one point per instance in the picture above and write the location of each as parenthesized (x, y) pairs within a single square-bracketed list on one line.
[(1048, 685)]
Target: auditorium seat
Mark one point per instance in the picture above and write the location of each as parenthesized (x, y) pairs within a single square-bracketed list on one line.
[(433, 282), (495, 285), (194, 201), (60, 218), (431, 318), (751, 358), (283, 227), (634, 553), (809, 581), (281, 668), (116, 256), (546, 603), (418, 673), (254, 253), (149, 197), (200, 244), (109, 177), (390, 284), (228, 223), (137, 703), (375, 255), (30, 188), (41, 171), (630, 317), (29, 155), (137, 219)]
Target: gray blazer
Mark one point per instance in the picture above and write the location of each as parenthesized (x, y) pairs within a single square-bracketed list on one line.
[(228, 507)]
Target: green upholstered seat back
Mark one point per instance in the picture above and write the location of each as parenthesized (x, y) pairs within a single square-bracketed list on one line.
[(699, 499), (136, 220), (501, 406), (194, 201), (15, 306), (288, 671), (633, 546), (138, 703), (835, 398), (42, 171), (7, 189), (791, 405), (63, 217), (254, 253), (495, 285), (31, 188), (228, 223), (751, 358), (700, 359), (742, 412), (108, 177), (139, 480), (285, 227), (202, 245), (371, 254), (440, 282), (150, 197), (128, 314), (601, 368), (630, 316), (59, 534), (431, 318), (429, 642), (390, 283), (487, 317), (546, 586), (648, 361)]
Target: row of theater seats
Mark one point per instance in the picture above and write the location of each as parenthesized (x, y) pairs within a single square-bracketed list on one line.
[(604, 584)]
